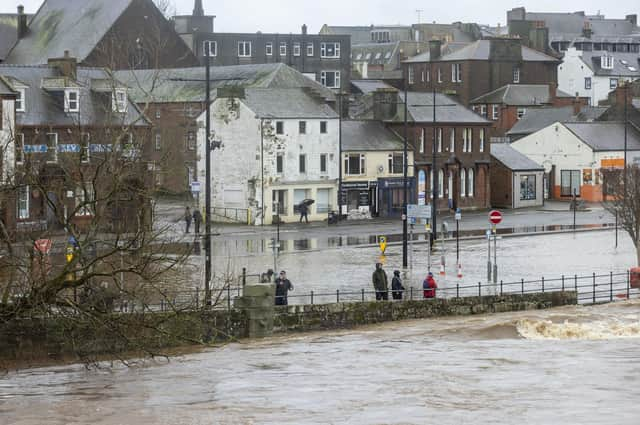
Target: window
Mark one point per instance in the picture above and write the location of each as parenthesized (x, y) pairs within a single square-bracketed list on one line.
[(24, 196), (467, 140), (84, 200), (302, 163), (322, 200), (330, 50), (439, 133), (463, 182), (528, 187), (613, 83), (296, 49), (323, 127), (587, 83), (439, 75), (157, 114), (456, 74), (495, 112), (283, 48), (516, 74), (269, 49), (483, 110), (428, 75), (280, 163), (323, 163), (422, 76), (452, 140), (395, 163), (471, 186), (354, 165), (52, 147), (520, 113), (302, 127), (482, 134), (279, 127), (330, 79), (422, 134), (19, 147), (411, 73), (119, 101), (85, 144), (210, 48), (381, 36), (244, 49), (309, 49), (21, 100), (441, 184), (279, 198), (71, 101), (158, 140), (570, 181), (606, 62), (191, 140)]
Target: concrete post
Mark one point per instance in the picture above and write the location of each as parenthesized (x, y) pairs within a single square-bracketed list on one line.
[(258, 303)]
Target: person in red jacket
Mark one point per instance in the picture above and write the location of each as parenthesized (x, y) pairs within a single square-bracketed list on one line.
[(429, 286)]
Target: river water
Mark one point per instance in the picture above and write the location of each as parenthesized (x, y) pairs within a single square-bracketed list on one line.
[(573, 365)]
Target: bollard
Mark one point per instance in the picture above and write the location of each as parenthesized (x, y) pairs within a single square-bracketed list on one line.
[(311, 297), (457, 290), (610, 286), (362, 294), (594, 288)]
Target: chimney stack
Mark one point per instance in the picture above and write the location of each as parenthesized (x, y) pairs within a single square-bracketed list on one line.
[(587, 32), (620, 94), (304, 29), (553, 92), (198, 10), (577, 104), (435, 49), (22, 23), (66, 65)]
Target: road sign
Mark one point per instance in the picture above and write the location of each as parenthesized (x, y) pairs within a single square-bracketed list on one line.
[(43, 246), (382, 241), (195, 187), (495, 217), (458, 214), (419, 211)]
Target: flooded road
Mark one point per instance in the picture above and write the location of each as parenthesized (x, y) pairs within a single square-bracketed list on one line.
[(564, 366)]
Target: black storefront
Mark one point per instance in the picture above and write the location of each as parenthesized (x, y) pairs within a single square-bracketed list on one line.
[(384, 197)]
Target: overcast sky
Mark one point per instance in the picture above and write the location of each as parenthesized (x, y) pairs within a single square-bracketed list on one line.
[(285, 16)]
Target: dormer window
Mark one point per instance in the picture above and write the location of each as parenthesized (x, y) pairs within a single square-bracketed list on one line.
[(607, 62), (20, 100), (119, 101), (72, 101)]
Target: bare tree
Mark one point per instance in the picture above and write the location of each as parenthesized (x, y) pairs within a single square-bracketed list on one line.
[(622, 198)]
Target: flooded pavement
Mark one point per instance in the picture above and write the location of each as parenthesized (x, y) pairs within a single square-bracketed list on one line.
[(569, 365)]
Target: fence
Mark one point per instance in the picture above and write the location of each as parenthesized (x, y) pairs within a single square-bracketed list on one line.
[(231, 215)]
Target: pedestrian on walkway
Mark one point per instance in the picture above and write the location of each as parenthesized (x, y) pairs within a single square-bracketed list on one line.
[(396, 286), (304, 210), (197, 219), (380, 283), (429, 286), (283, 286), (187, 218)]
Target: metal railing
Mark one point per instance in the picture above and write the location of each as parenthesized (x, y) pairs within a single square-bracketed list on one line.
[(236, 215)]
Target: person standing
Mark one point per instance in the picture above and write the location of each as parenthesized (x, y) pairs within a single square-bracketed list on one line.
[(283, 286), (304, 211), (429, 286), (380, 283), (187, 218), (197, 219), (396, 286)]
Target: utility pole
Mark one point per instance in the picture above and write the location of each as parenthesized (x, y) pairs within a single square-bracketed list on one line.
[(434, 169), (405, 166), (339, 155), (626, 118), (207, 196)]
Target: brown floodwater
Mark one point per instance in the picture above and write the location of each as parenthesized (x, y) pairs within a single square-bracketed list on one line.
[(568, 365)]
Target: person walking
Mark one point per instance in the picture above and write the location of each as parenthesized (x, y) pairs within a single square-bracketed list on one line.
[(197, 219), (380, 283), (304, 211), (396, 286), (187, 218), (283, 286), (429, 286)]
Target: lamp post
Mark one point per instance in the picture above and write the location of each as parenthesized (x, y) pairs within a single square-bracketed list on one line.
[(405, 166), (207, 196), (339, 155)]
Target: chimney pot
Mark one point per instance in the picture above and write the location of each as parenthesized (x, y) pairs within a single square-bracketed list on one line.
[(304, 29)]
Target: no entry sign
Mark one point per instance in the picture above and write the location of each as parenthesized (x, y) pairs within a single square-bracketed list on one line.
[(495, 217)]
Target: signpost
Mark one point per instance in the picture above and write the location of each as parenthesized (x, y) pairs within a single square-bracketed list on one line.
[(495, 218)]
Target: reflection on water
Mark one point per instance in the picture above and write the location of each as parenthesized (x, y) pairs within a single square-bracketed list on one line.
[(571, 365)]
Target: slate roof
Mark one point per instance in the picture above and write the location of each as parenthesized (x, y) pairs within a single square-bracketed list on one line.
[(8, 32), (362, 34), (512, 159), (294, 103), (369, 86), (517, 95), (61, 25), (573, 23), (420, 107), (539, 118), (369, 136), (445, 50), (605, 136), (5, 88), (479, 50), (178, 85), (593, 60), (378, 53), (46, 107), (590, 113)]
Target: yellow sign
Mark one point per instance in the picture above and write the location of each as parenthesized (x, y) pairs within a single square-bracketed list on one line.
[(427, 227), (69, 254), (382, 241)]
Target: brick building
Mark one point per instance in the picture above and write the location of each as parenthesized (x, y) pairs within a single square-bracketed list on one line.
[(116, 34), (479, 68)]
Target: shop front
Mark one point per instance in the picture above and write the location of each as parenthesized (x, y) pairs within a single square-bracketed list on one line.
[(391, 195), (359, 195)]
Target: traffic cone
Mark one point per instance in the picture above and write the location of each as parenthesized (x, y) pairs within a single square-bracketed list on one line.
[(459, 271), (442, 272)]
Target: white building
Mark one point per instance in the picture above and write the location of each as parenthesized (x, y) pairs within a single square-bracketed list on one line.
[(576, 156), (594, 74), (7, 131), (278, 147)]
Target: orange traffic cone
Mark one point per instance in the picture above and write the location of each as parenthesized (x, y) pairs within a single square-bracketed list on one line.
[(459, 271)]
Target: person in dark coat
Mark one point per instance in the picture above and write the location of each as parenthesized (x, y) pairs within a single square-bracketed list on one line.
[(283, 286), (396, 286), (429, 286), (304, 210), (197, 219), (187, 218), (380, 283)]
